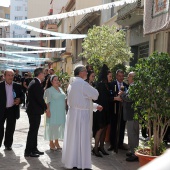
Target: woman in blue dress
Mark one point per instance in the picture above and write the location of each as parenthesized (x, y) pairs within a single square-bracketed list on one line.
[(55, 118)]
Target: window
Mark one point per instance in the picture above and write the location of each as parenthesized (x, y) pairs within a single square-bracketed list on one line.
[(144, 50), (18, 8), (0, 50), (18, 18), (7, 16)]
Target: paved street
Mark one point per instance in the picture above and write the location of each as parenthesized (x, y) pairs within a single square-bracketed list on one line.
[(15, 160)]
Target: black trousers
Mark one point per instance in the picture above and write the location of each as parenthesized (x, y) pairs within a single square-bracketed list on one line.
[(113, 130), (10, 118), (31, 144)]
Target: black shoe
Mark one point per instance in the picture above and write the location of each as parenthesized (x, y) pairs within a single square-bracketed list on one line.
[(8, 148), (38, 152), (129, 154), (31, 155), (74, 168), (111, 148), (132, 158), (96, 153), (102, 151)]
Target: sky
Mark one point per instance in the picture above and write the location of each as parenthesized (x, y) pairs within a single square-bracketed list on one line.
[(4, 3)]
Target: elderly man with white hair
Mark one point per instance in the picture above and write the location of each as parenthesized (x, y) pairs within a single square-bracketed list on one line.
[(132, 125), (77, 136)]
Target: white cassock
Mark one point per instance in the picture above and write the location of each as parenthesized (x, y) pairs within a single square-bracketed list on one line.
[(77, 136)]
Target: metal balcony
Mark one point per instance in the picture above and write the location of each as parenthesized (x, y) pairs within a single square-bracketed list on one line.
[(130, 14)]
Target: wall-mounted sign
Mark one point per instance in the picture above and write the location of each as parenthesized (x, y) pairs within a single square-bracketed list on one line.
[(160, 7)]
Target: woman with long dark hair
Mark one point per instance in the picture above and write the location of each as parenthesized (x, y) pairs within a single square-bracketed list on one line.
[(90, 77), (102, 119)]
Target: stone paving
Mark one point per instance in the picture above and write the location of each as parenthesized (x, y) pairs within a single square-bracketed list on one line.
[(15, 160)]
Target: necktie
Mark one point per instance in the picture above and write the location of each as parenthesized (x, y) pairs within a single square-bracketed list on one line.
[(120, 86)]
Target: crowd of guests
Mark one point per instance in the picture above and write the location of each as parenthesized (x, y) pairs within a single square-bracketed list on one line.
[(93, 107)]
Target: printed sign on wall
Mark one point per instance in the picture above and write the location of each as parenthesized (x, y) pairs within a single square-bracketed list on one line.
[(159, 7)]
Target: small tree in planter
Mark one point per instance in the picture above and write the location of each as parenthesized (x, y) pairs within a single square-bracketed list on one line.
[(151, 92)]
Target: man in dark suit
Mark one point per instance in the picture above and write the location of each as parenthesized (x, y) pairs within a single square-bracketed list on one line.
[(116, 86), (17, 77), (132, 125), (36, 107), (11, 96)]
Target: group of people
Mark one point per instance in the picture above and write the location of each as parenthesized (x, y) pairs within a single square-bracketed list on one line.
[(91, 108)]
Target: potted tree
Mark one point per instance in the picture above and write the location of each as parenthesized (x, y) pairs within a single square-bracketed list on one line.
[(151, 96)]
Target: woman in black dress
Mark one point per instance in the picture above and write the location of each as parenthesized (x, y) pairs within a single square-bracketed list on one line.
[(101, 119)]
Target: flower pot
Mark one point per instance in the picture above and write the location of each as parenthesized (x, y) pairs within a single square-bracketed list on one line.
[(144, 159)]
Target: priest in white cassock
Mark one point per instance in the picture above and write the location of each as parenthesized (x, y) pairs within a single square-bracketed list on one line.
[(77, 136)]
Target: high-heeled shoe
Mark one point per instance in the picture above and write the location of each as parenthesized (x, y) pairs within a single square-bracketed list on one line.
[(102, 151), (96, 153), (58, 147), (52, 147)]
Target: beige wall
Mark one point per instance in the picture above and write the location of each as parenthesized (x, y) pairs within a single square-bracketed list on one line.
[(69, 65), (40, 8), (80, 4), (159, 42)]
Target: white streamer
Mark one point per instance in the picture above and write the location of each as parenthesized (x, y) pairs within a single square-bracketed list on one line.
[(31, 52), (69, 14), (38, 38), (30, 47)]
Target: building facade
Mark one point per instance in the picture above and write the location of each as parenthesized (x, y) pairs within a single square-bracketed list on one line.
[(18, 11), (4, 31), (40, 8)]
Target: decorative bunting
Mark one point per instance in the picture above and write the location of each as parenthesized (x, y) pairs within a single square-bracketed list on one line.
[(69, 14), (40, 38), (30, 47), (32, 52), (57, 34)]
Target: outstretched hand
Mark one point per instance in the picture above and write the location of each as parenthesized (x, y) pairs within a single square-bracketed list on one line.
[(17, 101), (99, 108), (118, 99)]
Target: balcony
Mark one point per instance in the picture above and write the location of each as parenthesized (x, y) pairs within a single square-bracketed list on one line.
[(130, 14), (43, 43), (51, 27)]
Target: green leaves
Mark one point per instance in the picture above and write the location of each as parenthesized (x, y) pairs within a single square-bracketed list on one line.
[(105, 44), (151, 91)]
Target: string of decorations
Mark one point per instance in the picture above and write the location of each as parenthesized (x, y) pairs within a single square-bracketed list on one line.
[(57, 34), (70, 14), (31, 47)]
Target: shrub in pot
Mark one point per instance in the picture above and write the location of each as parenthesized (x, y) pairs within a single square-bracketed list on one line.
[(151, 96)]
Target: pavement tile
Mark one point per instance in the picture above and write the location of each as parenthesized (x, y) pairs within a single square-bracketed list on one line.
[(51, 160)]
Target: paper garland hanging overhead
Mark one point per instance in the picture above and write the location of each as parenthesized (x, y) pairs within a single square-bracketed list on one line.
[(39, 38), (24, 57), (30, 47), (57, 34), (18, 60), (70, 14), (32, 52)]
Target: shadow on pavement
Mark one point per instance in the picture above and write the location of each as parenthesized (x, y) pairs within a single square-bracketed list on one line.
[(15, 161)]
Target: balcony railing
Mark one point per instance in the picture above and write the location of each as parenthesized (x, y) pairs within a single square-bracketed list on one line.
[(127, 9)]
